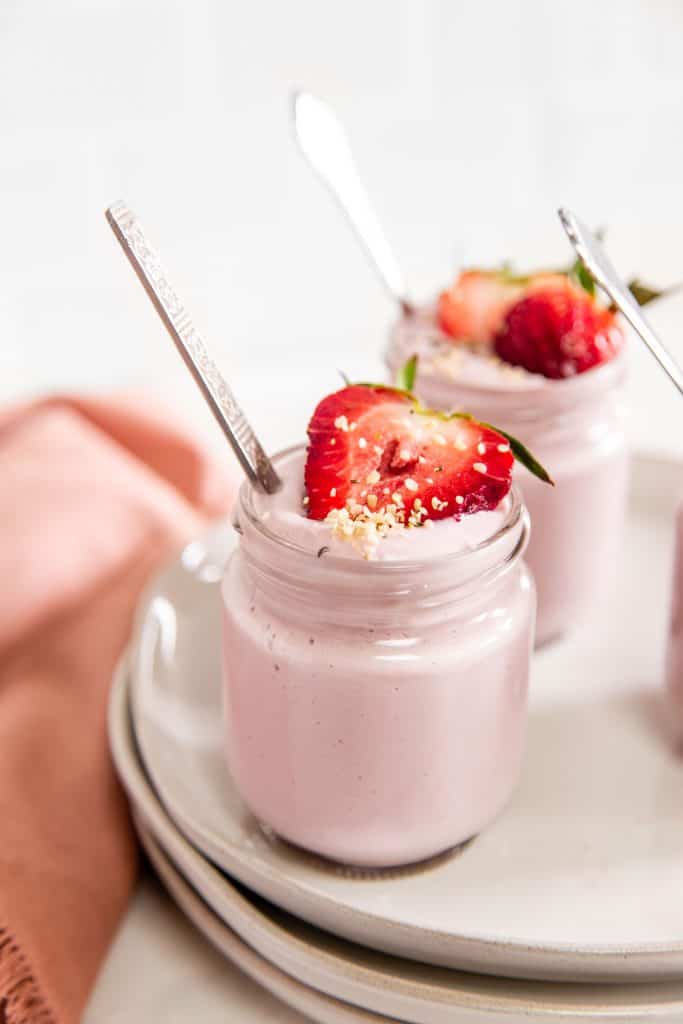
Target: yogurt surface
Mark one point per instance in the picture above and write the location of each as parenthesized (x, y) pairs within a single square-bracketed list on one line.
[(460, 362), (283, 514)]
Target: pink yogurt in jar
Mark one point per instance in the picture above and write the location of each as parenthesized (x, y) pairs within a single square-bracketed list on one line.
[(674, 659), (573, 426), (375, 710)]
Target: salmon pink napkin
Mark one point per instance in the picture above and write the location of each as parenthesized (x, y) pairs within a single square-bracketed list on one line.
[(93, 494)]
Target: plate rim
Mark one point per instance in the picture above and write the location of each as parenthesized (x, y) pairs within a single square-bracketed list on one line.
[(267, 975)]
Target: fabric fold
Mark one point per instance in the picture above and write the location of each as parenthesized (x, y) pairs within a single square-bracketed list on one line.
[(93, 496)]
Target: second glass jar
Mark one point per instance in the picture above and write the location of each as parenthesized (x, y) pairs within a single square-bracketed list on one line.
[(575, 427)]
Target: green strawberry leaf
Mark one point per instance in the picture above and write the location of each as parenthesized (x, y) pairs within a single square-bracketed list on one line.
[(583, 277), (405, 378), (642, 293), (523, 455)]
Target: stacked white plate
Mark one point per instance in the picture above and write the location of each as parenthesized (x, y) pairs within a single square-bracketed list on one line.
[(569, 907)]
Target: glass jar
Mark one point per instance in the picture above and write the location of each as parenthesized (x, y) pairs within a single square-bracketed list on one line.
[(674, 657), (375, 711), (575, 427)]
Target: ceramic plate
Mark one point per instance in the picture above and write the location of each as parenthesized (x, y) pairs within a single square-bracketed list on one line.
[(412, 992), (579, 879)]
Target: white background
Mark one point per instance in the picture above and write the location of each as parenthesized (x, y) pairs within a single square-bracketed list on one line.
[(471, 122)]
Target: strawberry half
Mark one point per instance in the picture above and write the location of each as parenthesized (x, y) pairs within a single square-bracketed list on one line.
[(558, 330), (375, 447), (474, 307)]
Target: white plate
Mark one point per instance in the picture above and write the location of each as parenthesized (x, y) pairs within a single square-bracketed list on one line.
[(353, 974), (580, 879)]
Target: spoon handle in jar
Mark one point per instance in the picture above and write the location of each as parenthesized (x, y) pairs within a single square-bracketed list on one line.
[(597, 263), (324, 145), (187, 340)]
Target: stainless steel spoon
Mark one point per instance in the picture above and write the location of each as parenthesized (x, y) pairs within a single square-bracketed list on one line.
[(323, 142), (597, 263), (187, 340)]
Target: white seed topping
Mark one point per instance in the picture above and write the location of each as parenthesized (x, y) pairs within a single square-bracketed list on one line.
[(404, 455), (333, 440), (362, 443), (341, 423), (373, 478), (429, 480), (306, 500), (480, 467), (385, 490), (503, 448), (421, 459), (397, 499), (363, 528), (459, 499), (417, 503), (410, 484), (333, 492), (378, 450), (481, 448), (372, 501), (352, 426)]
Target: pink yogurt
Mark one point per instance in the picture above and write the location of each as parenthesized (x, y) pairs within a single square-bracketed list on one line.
[(674, 660), (573, 426), (375, 710)]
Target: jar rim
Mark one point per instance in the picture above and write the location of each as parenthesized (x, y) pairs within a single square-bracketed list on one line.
[(377, 568)]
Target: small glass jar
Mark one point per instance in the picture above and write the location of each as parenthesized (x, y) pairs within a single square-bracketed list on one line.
[(674, 657), (375, 711), (575, 427)]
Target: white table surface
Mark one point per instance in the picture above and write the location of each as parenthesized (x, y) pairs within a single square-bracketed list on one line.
[(161, 969)]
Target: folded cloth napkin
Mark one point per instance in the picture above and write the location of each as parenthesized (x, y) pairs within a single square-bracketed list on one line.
[(92, 496)]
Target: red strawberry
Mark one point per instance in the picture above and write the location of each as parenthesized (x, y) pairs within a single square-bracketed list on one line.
[(474, 307), (375, 447), (558, 330)]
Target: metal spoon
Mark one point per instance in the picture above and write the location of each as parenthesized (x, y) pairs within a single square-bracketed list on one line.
[(596, 262), (323, 142), (215, 390)]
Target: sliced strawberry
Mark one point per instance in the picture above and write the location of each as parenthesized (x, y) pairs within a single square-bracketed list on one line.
[(558, 330), (376, 447), (475, 305)]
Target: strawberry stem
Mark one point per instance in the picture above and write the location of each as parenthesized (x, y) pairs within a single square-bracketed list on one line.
[(405, 378)]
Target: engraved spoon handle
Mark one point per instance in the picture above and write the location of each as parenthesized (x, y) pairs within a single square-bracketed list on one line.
[(323, 142), (187, 340), (596, 261)]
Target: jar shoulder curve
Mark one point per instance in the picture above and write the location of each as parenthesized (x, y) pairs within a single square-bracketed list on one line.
[(397, 634)]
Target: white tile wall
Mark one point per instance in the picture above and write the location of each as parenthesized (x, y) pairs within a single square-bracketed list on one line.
[(471, 121)]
